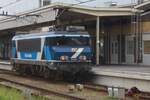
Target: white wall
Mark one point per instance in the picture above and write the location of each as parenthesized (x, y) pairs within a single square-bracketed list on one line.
[(21, 6)]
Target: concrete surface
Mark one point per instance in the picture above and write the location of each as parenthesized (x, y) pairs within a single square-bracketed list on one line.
[(123, 76)]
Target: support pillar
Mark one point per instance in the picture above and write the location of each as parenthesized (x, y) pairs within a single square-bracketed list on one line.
[(97, 40)]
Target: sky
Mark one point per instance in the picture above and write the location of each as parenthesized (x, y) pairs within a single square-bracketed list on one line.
[(24, 5)]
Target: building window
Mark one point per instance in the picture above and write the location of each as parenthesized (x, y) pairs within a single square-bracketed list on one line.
[(46, 2), (146, 47), (130, 47)]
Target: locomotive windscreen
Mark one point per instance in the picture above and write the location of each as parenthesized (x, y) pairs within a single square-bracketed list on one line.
[(68, 41), (29, 45)]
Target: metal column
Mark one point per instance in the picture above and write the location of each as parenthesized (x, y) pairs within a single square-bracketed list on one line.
[(97, 39)]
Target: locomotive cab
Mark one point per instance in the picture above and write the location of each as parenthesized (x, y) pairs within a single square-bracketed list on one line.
[(69, 48), (70, 51)]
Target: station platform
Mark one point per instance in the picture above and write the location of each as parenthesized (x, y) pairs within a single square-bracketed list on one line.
[(123, 76), (128, 71), (5, 62)]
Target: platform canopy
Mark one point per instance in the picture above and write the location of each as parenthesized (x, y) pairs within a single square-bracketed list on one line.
[(96, 11), (146, 9), (51, 12), (143, 6)]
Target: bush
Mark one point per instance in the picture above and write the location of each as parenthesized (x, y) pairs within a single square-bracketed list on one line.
[(13, 94), (110, 98)]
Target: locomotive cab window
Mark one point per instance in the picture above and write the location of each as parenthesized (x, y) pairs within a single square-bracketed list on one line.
[(68, 41), (29, 45)]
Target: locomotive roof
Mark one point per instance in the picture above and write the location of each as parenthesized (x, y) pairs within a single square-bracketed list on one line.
[(51, 34)]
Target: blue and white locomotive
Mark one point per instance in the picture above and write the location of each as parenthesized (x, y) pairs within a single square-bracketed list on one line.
[(43, 53)]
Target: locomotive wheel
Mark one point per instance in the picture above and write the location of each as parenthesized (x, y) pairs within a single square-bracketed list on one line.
[(28, 69), (46, 73), (33, 70), (58, 75), (37, 70), (71, 77), (21, 70), (52, 74)]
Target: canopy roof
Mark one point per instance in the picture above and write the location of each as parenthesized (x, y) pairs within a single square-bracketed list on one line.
[(49, 13), (143, 6)]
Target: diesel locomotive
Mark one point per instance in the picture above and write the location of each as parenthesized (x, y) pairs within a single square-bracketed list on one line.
[(55, 51)]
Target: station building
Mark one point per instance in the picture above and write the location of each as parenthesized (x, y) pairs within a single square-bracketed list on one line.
[(120, 35)]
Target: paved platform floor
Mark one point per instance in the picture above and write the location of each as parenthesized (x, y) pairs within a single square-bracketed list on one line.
[(6, 67), (128, 71), (6, 62), (124, 76), (125, 68)]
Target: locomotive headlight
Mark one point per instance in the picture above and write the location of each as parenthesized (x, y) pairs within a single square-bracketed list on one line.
[(82, 58), (64, 58)]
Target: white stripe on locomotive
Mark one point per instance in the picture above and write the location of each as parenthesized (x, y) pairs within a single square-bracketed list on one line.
[(18, 53), (39, 54), (77, 53)]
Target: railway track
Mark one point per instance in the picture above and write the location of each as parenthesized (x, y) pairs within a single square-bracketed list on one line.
[(40, 91), (55, 89), (143, 95)]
